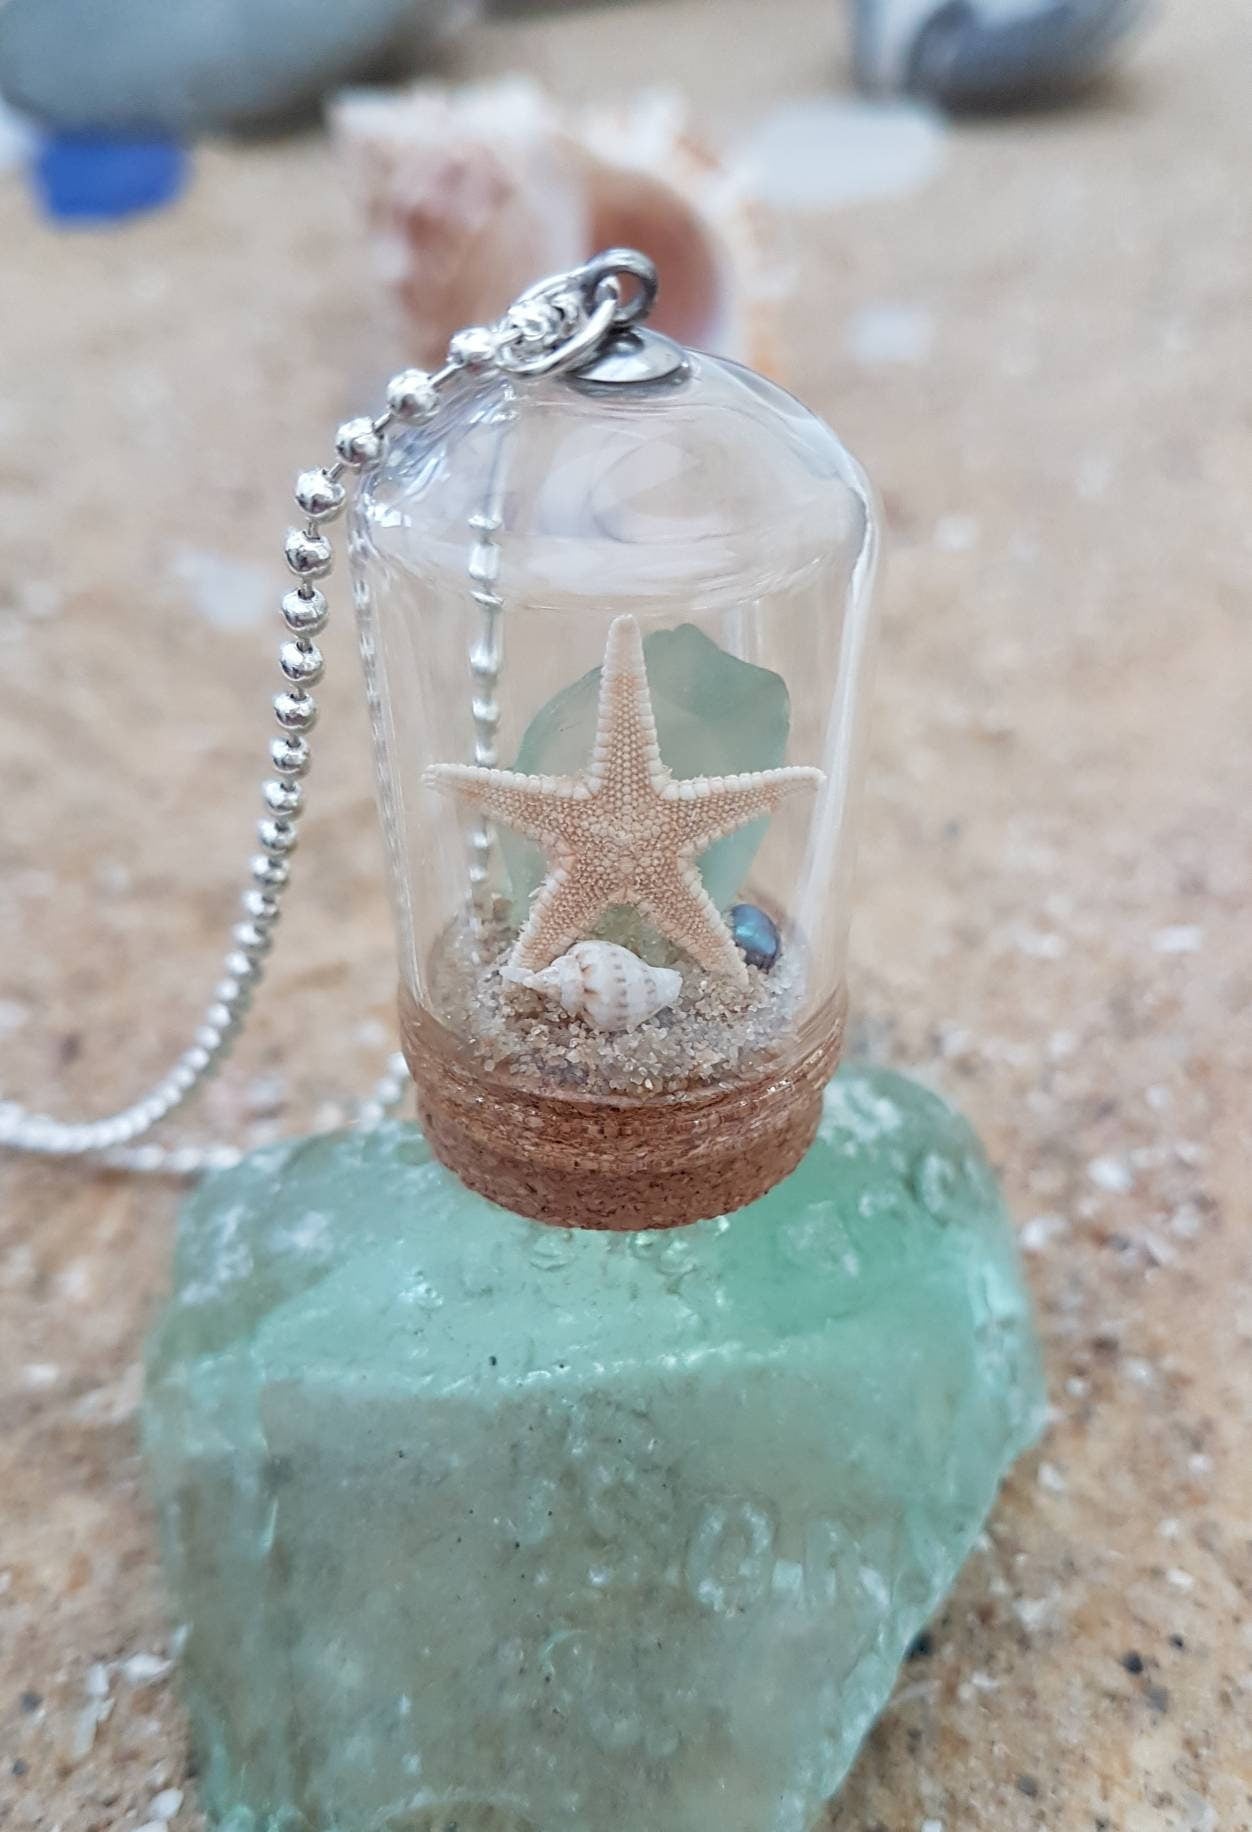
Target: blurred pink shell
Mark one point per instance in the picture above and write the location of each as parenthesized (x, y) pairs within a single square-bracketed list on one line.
[(472, 193)]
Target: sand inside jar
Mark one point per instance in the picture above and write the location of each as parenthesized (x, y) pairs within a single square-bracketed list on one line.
[(713, 1033)]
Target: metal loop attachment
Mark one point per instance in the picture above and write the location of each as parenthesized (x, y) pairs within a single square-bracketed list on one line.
[(616, 264), (558, 323)]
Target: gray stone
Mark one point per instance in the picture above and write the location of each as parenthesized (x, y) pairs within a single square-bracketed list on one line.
[(186, 66), (983, 53)]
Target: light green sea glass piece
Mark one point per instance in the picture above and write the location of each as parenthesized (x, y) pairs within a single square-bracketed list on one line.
[(715, 716), (478, 1524)]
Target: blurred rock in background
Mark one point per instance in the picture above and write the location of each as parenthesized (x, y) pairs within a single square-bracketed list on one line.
[(988, 53), (192, 66)]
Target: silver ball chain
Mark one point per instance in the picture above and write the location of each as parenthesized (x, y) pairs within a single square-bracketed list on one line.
[(554, 325)]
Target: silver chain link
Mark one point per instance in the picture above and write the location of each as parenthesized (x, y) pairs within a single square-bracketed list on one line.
[(554, 325)]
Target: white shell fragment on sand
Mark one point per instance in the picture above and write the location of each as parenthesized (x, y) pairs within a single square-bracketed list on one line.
[(605, 984), (470, 193)]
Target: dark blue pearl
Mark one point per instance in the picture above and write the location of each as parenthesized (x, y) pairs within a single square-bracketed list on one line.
[(756, 934)]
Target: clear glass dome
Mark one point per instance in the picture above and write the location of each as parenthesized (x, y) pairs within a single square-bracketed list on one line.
[(540, 572)]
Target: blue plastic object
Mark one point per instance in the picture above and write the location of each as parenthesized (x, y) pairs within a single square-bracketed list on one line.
[(81, 177)]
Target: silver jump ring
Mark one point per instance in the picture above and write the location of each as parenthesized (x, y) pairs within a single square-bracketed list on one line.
[(588, 338), (614, 264)]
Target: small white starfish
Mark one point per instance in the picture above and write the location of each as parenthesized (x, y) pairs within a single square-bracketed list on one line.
[(623, 831)]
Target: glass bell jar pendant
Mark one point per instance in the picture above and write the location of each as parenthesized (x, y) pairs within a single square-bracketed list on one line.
[(612, 1525), (615, 619)]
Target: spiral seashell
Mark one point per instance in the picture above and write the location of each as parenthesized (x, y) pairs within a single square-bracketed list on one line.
[(468, 192), (603, 983)]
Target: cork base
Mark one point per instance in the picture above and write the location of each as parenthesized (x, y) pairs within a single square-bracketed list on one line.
[(615, 1163)]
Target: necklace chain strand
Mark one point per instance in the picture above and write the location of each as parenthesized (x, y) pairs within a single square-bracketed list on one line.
[(553, 325)]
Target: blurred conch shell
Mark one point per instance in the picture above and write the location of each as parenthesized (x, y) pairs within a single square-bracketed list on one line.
[(470, 194), (605, 984)]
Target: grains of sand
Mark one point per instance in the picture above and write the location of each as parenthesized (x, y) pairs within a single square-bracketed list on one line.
[(713, 1034)]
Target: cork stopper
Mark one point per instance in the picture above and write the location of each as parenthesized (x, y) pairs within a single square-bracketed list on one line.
[(615, 1162)]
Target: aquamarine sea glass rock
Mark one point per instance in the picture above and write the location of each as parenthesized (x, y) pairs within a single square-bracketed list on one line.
[(483, 1525), (715, 716)]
